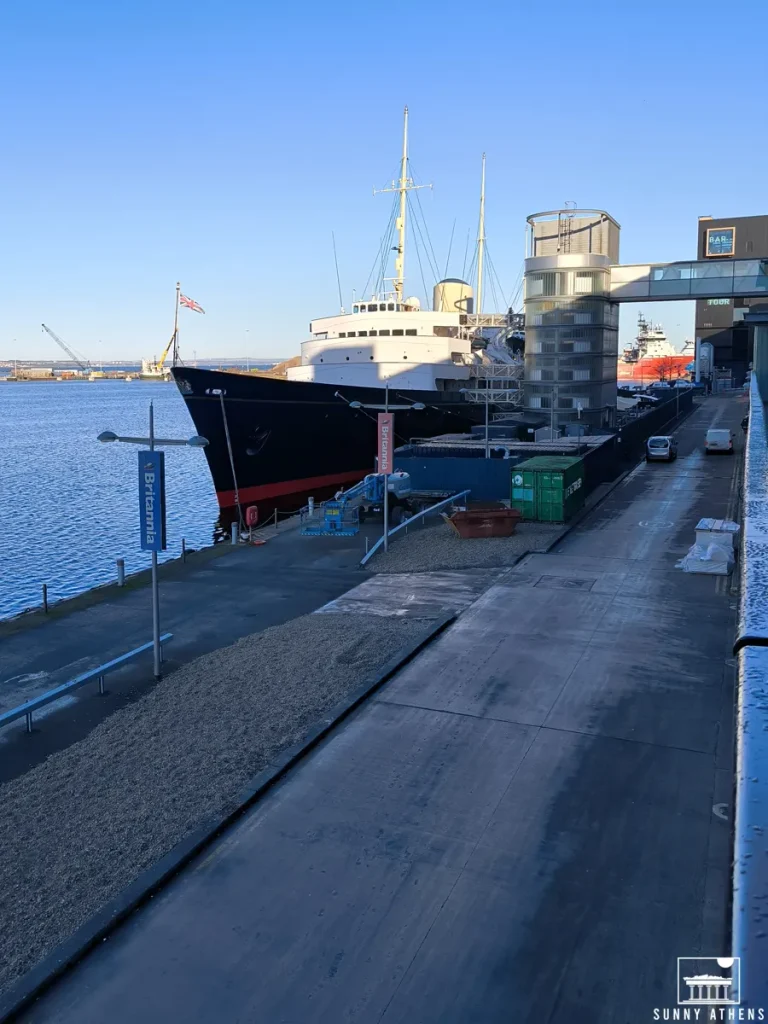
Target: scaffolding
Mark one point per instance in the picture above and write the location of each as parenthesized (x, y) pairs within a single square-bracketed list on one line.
[(496, 384)]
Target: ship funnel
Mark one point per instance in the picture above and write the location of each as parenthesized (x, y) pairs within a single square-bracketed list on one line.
[(453, 295)]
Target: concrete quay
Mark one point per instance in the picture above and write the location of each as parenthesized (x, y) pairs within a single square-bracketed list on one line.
[(217, 597), (526, 823)]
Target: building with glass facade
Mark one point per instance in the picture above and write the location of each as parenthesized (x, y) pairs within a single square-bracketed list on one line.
[(720, 321)]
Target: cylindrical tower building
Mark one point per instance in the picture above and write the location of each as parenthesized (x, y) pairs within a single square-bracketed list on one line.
[(571, 327)]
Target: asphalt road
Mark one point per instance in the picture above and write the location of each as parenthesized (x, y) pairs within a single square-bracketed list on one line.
[(525, 825)]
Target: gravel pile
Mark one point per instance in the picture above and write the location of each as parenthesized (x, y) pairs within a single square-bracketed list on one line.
[(77, 829), (436, 546)]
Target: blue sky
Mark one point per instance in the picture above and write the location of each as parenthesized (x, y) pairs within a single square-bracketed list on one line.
[(220, 144)]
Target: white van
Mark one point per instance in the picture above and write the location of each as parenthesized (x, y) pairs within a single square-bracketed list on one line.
[(718, 441)]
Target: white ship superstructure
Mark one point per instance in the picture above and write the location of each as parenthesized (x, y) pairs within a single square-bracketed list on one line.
[(390, 338), (656, 344), (651, 343), (382, 341)]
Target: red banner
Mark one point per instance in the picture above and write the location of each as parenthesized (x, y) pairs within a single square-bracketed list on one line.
[(386, 442)]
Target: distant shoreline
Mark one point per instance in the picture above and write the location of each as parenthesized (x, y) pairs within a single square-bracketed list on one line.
[(30, 372), (129, 365)]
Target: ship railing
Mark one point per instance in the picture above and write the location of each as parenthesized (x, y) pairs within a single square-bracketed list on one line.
[(27, 709), (431, 510)]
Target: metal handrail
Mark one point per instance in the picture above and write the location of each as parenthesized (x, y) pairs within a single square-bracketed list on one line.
[(753, 610), (749, 939), (410, 521), (26, 710)]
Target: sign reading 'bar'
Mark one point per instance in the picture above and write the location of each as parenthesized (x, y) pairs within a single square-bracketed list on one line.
[(386, 442)]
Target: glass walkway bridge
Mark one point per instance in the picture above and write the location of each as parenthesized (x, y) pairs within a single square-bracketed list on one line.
[(700, 279)]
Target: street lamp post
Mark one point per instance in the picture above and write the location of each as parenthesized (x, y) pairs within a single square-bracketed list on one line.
[(386, 479), (386, 408), (159, 543)]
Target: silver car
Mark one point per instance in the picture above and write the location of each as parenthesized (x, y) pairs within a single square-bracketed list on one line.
[(661, 448)]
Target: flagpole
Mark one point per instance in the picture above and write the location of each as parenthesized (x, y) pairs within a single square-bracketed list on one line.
[(176, 326)]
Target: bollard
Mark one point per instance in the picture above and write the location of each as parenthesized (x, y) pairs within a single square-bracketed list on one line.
[(45, 598), (275, 518), (121, 572), (234, 533), (311, 506), (183, 550)]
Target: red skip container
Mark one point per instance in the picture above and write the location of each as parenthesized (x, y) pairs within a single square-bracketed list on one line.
[(485, 522)]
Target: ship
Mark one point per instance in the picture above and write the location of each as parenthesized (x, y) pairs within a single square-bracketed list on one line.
[(274, 442), (154, 369), (652, 357)]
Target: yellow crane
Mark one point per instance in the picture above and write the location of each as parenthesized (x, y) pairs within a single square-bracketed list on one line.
[(156, 370)]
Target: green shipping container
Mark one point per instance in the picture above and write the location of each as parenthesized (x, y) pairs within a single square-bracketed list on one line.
[(548, 488)]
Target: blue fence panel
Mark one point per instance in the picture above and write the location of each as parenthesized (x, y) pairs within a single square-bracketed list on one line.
[(487, 479)]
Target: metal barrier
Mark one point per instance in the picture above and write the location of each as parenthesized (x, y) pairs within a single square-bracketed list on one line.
[(27, 710), (750, 829), (409, 522), (635, 433)]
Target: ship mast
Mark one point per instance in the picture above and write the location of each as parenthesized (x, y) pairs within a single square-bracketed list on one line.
[(403, 186), (400, 225), (481, 242), (176, 327)]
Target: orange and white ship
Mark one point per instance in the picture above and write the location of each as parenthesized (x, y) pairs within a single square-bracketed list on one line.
[(653, 357)]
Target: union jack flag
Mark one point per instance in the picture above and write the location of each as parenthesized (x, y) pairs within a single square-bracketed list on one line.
[(191, 304)]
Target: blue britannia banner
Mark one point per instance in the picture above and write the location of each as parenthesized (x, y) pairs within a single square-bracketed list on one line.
[(152, 500)]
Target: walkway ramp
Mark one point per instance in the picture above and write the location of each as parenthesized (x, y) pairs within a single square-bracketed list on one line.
[(697, 279), (519, 828)]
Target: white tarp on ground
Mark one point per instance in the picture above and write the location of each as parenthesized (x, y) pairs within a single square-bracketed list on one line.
[(717, 531), (713, 559)]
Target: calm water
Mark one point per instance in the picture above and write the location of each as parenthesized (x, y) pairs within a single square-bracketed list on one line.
[(68, 504)]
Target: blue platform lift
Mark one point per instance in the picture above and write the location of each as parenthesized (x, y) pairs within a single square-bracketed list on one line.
[(341, 516)]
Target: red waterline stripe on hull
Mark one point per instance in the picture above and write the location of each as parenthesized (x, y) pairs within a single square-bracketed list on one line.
[(262, 492)]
